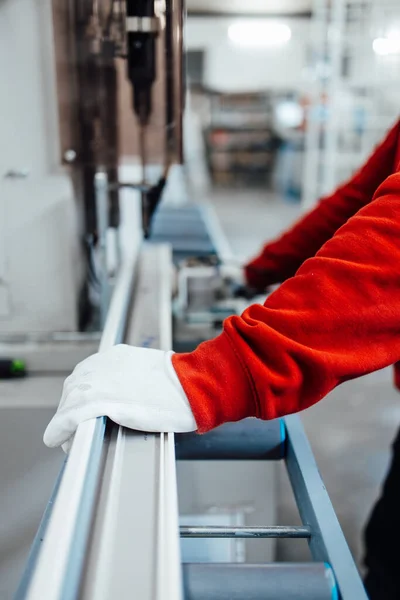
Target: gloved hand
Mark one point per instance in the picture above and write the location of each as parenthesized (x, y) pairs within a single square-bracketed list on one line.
[(235, 276), (135, 387), (259, 275), (233, 272)]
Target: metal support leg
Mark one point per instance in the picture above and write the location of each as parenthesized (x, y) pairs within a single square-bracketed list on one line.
[(327, 542)]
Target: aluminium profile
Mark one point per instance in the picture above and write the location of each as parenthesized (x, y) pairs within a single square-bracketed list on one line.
[(54, 575), (118, 491), (135, 550)]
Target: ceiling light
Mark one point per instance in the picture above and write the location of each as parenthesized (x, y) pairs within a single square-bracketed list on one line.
[(289, 114), (383, 46), (258, 34)]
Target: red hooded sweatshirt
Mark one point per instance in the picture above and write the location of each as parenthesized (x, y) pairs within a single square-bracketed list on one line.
[(335, 317)]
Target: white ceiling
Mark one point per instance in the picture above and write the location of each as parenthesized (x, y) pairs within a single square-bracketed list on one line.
[(250, 6)]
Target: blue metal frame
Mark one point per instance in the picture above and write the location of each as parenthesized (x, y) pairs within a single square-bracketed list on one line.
[(327, 542)]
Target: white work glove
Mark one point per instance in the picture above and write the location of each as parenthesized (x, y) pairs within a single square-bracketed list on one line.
[(233, 272), (135, 387), (234, 275)]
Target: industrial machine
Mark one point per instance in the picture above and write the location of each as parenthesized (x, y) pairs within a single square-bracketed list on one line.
[(112, 526), (99, 91)]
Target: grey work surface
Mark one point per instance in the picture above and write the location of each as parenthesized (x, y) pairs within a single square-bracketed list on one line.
[(27, 470), (50, 358)]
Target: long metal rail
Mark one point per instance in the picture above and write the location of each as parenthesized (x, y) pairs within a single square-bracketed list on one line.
[(91, 535)]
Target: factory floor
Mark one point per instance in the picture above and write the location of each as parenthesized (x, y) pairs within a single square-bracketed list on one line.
[(351, 430)]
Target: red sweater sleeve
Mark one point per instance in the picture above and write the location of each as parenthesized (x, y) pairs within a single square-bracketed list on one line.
[(280, 260), (337, 319)]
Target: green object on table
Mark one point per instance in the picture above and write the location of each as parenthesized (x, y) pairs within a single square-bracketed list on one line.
[(11, 368)]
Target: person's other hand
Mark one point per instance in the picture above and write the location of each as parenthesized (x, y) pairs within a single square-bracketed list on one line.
[(259, 276), (135, 387), (232, 272), (234, 276)]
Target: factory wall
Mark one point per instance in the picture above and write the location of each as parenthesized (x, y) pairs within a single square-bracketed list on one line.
[(39, 270), (28, 120), (230, 68), (289, 67)]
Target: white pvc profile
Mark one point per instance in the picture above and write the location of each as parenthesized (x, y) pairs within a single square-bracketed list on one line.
[(114, 528), (48, 580), (135, 549)]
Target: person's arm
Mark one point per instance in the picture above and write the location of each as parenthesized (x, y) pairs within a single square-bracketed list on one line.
[(337, 319), (280, 259)]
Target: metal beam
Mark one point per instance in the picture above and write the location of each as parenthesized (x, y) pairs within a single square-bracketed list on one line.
[(250, 439), (272, 531), (291, 581)]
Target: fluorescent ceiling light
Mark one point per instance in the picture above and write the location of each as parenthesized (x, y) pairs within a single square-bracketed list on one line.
[(258, 34), (383, 46), (289, 114)]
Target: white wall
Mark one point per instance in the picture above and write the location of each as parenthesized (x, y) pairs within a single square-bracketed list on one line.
[(28, 117), (229, 68), (39, 254)]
